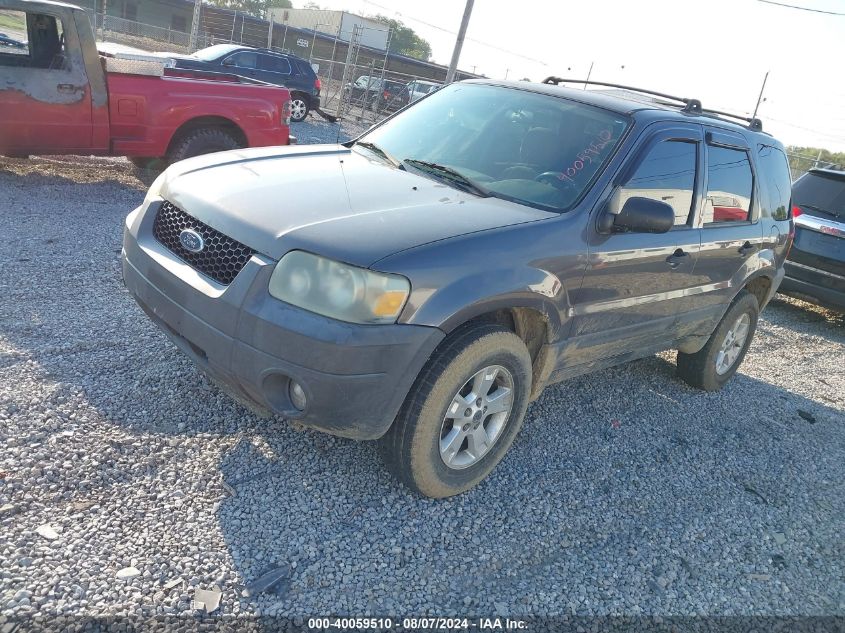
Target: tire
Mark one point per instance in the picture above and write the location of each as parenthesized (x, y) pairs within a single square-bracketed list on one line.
[(706, 369), (299, 107), (203, 140), (411, 449)]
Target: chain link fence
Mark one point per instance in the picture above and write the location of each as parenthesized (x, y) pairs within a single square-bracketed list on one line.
[(340, 63), (800, 164)]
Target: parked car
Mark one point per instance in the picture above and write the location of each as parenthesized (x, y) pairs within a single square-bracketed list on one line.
[(61, 97), (376, 93), (815, 267), (6, 41), (281, 69), (418, 88), (410, 92), (443, 268)]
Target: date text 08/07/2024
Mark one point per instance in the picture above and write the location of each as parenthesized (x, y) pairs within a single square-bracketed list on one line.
[(419, 623)]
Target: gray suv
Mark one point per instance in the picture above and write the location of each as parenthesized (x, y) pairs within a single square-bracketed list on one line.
[(423, 283)]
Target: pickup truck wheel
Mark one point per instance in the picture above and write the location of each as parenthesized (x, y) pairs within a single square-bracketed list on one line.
[(712, 366), (462, 414), (202, 141), (299, 108)]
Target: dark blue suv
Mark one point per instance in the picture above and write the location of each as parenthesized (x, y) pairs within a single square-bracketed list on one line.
[(262, 64), (436, 274)]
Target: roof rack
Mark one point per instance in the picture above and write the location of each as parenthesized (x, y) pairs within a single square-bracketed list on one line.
[(692, 106)]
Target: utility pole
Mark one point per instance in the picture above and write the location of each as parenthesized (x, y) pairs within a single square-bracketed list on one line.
[(195, 24), (760, 98), (105, 13), (270, 32), (459, 43)]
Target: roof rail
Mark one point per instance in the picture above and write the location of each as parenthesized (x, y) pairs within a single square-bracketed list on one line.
[(692, 106)]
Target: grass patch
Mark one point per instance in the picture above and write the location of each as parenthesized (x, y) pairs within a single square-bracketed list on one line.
[(12, 21)]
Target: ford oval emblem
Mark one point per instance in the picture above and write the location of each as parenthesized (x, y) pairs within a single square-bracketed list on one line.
[(191, 241)]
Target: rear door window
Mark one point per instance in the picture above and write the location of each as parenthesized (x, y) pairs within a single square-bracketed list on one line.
[(274, 64), (820, 194), (729, 185), (244, 59), (775, 177)]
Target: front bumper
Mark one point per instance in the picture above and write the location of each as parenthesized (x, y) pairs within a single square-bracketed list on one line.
[(355, 377)]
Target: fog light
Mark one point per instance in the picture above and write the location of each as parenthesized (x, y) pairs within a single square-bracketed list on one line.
[(297, 395)]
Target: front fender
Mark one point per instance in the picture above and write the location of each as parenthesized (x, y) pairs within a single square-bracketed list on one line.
[(470, 296)]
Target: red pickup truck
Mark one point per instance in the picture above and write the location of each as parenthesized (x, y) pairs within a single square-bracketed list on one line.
[(59, 95)]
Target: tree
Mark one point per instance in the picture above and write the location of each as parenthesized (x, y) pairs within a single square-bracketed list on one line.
[(803, 158), (404, 40), (257, 8)]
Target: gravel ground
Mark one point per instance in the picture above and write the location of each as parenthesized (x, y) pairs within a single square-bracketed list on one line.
[(627, 492)]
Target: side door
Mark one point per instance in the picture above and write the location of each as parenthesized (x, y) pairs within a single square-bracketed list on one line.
[(243, 63), (636, 284), (729, 219), (45, 96), (274, 70)]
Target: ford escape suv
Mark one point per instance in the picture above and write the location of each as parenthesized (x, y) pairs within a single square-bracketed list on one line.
[(446, 266)]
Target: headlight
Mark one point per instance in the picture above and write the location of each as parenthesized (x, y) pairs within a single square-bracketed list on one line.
[(155, 188), (339, 291)]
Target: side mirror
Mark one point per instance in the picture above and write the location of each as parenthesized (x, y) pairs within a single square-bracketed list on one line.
[(228, 62), (639, 215)]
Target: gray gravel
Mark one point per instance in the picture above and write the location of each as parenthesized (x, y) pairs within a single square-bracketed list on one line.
[(627, 492)]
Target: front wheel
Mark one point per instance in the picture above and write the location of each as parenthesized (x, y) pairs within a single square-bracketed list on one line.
[(715, 364), (462, 414)]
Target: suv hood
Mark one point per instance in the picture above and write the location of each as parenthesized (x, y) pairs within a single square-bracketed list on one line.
[(329, 200)]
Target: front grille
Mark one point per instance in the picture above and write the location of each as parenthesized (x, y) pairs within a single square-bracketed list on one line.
[(222, 258)]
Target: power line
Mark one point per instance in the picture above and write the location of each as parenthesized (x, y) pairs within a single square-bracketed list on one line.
[(792, 6), (450, 32), (807, 129)]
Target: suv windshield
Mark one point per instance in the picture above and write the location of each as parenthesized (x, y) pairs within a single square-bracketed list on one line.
[(531, 148), (820, 194)]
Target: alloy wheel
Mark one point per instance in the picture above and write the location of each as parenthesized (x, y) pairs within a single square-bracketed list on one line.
[(733, 344), (476, 417), (298, 109)]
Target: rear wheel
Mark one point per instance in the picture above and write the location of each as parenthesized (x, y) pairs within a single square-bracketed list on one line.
[(462, 414), (202, 141), (299, 107), (715, 364)]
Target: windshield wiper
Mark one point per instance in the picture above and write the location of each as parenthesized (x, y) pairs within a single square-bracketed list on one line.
[(378, 150), (447, 173), (826, 211)]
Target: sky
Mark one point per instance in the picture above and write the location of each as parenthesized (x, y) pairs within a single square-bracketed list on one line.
[(717, 51)]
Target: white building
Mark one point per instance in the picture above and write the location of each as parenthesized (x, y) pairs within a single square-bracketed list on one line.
[(335, 23)]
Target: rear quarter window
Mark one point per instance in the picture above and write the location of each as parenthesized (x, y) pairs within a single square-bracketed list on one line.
[(305, 68), (776, 180)]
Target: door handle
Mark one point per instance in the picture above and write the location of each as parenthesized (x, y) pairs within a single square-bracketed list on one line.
[(677, 258), (70, 88), (746, 249)]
